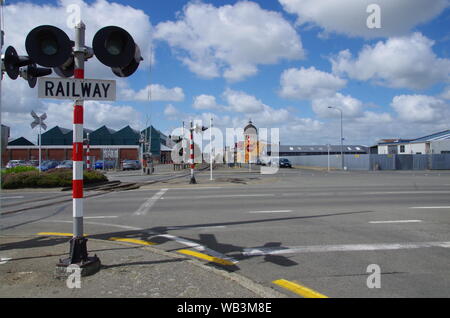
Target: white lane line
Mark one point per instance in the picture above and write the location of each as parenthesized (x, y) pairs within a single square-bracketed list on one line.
[(125, 227), (340, 248), (275, 211), (406, 192), (181, 227), (4, 260), (219, 196), (398, 221), (198, 188), (145, 208), (430, 207), (10, 198), (101, 217)]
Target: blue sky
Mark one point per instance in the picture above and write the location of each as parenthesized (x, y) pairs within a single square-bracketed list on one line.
[(279, 63)]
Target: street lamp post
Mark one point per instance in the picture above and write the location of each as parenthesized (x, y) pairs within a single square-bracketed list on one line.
[(342, 135)]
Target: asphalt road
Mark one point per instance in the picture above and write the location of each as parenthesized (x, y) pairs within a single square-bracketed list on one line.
[(316, 229)]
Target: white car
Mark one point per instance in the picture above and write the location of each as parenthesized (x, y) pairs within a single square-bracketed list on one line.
[(15, 163)]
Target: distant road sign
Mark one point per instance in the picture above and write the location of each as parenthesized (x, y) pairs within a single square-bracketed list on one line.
[(76, 89)]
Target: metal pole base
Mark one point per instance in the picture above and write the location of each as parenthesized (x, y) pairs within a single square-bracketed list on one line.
[(78, 256), (193, 181)]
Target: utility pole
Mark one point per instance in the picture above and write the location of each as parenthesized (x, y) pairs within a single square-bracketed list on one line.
[(342, 136), (193, 181), (211, 149)]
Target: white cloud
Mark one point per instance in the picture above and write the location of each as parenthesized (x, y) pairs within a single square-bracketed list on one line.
[(309, 83), (351, 107), (446, 93), (205, 102), (349, 17), (153, 92), (403, 62), (230, 41), (421, 108), (241, 102)]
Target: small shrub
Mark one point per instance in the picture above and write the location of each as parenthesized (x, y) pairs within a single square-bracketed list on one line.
[(51, 179)]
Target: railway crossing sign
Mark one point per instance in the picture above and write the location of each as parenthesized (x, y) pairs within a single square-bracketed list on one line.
[(76, 89)]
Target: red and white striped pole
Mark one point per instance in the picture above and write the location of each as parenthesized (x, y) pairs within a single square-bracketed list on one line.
[(78, 244), (193, 181), (78, 121)]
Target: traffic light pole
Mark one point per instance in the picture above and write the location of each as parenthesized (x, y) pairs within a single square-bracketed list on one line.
[(193, 181), (78, 244)]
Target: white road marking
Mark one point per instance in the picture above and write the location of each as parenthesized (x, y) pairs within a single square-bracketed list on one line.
[(279, 211), (174, 228), (10, 198), (4, 260), (398, 221), (219, 196), (340, 248), (430, 207), (101, 217), (145, 208), (197, 247), (406, 192), (125, 227)]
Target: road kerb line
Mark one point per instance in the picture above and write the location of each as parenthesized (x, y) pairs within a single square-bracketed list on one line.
[(206, 257), (298, 289)]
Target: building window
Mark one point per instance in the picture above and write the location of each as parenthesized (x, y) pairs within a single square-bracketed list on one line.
[(402, 148)]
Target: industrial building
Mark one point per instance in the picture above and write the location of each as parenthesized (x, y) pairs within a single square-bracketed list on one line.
[(293, 151), (105, 144), (438, 143)]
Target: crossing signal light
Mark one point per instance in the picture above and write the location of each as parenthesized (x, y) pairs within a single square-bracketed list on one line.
[(32, 72), (24, 66), (13, 62), (49, 46), (115, 47)]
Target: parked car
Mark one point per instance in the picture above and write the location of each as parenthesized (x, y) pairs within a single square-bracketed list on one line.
[(67, 164), (49, 164), (285, 163), (15, 163), (32, 163), (131, 165), (104, 164)]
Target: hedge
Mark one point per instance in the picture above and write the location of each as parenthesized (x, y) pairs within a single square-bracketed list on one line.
[(50, 179)]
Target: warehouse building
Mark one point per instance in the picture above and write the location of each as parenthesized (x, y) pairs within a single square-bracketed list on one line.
[(105, 144), (438, 143), (294, 151)]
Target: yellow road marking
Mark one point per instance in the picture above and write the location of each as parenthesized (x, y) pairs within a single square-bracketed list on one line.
[(128, 240), (206, 257), (55, 234), (298, 289)]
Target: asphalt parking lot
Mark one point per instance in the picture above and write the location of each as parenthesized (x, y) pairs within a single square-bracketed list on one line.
[(329, 232)]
